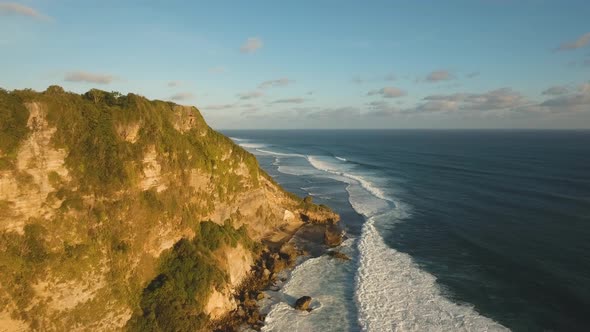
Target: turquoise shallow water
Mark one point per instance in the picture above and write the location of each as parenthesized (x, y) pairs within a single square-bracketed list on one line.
[(484, 229)]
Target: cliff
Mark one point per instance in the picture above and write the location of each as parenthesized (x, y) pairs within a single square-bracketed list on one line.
[(117, 212)]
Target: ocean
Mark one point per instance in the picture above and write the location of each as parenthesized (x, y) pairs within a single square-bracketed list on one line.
[(448, 230)]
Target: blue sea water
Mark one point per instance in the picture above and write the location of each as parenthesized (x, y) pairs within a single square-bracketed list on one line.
[(448, 230)]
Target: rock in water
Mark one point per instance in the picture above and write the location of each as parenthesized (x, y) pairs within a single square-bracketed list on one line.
[(332, 236), (303, 303), (339, 255)]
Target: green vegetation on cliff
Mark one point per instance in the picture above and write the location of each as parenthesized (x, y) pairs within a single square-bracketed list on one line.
[(101, 219), (100, 158), (102, 198), (13, 126), (174, 300)]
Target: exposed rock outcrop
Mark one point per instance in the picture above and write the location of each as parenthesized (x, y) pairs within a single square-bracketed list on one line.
[(333, 236), (338, 255), (303, 303), (39, 167), (319, 216)]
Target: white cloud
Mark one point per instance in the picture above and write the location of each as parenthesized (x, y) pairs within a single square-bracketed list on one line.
[(439, 75), (556, 90), (289, 101), (503, 98), (579, 101), (82, 76), (11, 8), (181, 96), (335, 113), (251, 95), (381, 108), (251, 45), (275, 83), (438, 106), (578, 43), (218, 107), (388, 92)]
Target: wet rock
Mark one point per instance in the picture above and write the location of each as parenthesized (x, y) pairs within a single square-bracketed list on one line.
[(303, 303), (277, 265), (254, 317), (289, 252), (333, 236), (250, 303), (338, 255)]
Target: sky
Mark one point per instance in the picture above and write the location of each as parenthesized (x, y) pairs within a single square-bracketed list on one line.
[(315, 64)]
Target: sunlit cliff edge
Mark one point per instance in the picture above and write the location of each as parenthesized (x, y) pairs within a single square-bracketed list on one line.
[(121, 213)]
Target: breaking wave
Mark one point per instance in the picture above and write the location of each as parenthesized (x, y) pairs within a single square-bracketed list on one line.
[(391, 292)]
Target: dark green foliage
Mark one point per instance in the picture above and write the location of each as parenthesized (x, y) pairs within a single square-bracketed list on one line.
[(5, 208), (95, 152), (34, 244), (24, 257), (13, 127), (120, 246), (71, 200), (75, 251), (55, 90), (175, 299), (213, 236), (149, 199), (54, 179), (308, 206)]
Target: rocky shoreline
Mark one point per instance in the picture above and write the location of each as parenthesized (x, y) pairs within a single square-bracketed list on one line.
[(313, 239)]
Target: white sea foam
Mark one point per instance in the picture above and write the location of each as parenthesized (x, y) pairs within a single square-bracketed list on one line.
[(392, 292), (340, 158), (248, 144), (333, 169), (280, 153), (296, 170), (252, 145), (326, 280)]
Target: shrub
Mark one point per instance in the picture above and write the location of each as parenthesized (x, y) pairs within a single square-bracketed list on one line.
[(34, 243), (174, 300), (13, 127)]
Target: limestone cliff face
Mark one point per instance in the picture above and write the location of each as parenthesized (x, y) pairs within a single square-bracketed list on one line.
[(95, 188)]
